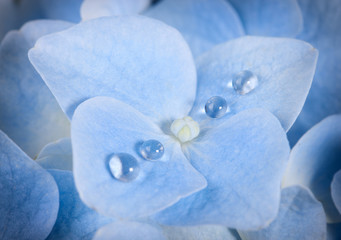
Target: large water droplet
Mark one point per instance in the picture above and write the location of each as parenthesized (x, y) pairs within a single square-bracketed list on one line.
[(152, 150), (124, 167), (244, 82), (216, 107)]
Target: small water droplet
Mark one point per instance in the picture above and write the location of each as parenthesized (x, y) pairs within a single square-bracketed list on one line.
[(124, 167), (216, 107), (152, 150), (244, 82)]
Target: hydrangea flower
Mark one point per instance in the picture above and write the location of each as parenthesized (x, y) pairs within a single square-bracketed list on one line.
[(213, 165), (90, 60)]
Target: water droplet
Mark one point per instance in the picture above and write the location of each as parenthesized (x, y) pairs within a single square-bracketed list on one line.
[(244, 82), (152, 150), (185, 129), (216, 107), (124, 167)]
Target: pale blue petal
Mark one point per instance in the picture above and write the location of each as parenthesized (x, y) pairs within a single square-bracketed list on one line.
[(336, 190), (28, 195), (129, 231), (103, 126), (137, 60), (201, 232), (243, 160), (29, 114), (67, 10), (202, 23), (101, 8), (56, 155), (75, 220), (300, 217), (284, 67), (315, 159), (276, 18), (322, 29), (334, 231)]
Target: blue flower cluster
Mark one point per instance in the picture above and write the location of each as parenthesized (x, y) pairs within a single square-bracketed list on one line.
[(170, 119)]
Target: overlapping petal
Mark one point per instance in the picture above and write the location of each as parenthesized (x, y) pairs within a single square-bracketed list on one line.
[(102, 127), (315, 159), (243, 160), (102, 8), (202, 23), (284, 67), (300, 216), (67, 10), (322, 29), (29, 114), (275, 18), (129, 231), (134, 59), (56, 155), (28, 195), (336, 190), (75, 220)]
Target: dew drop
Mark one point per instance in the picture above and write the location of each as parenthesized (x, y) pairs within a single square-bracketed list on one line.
[(124, 167), (152, 150), (244, 82), (216, 107)]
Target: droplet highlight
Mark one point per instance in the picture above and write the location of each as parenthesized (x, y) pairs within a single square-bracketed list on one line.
[(244, 82), (124, 167), (152, 150), (216, 107)]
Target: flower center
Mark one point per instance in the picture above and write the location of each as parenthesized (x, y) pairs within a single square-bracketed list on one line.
[(185, 129)]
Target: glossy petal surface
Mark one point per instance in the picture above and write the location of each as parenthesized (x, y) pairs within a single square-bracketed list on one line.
[(137, 60), (28, 195), (243, 160), (315, 159), (67, 10), (102, 8), (202, 23), (284, 67), (336, 190), (103, 126), (322, 30), (129, 231), (275, 18), (75, 220), (202, 232), (300, 216), (56, 155), (29, 114)]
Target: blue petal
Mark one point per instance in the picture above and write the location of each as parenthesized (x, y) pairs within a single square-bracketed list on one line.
[(75, 220), (103, 126), (336, 190), (100, 8), (275, 18), (315, 159), (322, 29), (137, 60), (300, 216), (202, 232), (129, 231), (13, 14), (243, 161), (202, 23), (29, 112), (56, 155), (284, 67), (28, 195), (68, 10)]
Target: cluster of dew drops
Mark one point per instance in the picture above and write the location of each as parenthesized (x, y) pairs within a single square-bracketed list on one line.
[(125, 168)]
